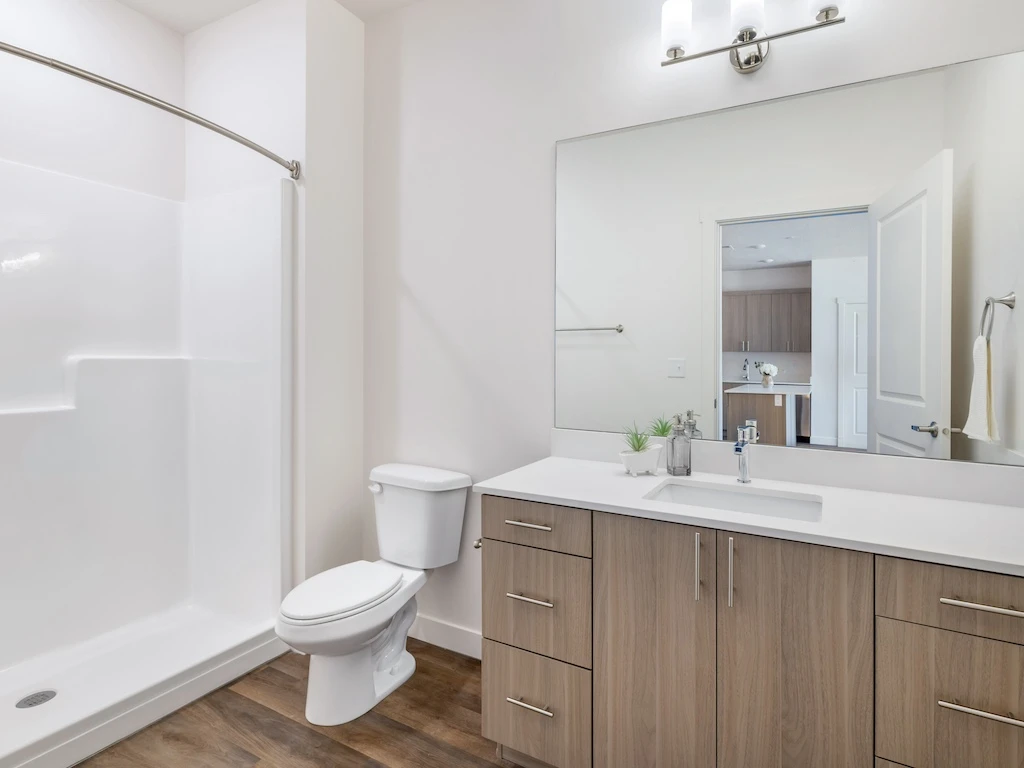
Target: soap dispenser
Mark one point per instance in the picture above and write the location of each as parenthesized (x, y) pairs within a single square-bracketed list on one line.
[(679, 444)]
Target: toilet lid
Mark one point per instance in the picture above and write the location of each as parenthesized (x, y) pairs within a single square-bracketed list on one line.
[(346, 590)]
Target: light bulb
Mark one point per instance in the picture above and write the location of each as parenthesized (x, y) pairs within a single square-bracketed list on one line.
[(748, 14), (676, 25)]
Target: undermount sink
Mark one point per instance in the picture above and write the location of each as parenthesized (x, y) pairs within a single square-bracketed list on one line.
[(739, 498)]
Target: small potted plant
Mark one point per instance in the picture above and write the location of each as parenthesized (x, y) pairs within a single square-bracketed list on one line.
[(768, 373), (660, 430), (643, 455)]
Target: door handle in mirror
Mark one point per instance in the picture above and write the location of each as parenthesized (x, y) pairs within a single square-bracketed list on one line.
[(932, 429)]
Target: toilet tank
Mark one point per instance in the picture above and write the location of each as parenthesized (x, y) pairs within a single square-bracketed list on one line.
[(419, 514)]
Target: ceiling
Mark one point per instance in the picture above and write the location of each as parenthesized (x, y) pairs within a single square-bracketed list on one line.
[(189, 15), (788, 242)]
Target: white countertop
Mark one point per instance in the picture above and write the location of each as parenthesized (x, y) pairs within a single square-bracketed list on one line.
[(966, 534), (778, 389)]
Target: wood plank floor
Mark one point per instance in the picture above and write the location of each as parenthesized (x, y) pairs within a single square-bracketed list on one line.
[(432, 721)]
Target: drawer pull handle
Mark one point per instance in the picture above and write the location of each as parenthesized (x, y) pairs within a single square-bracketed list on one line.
[(980, 607), (696, 567), (531, 526), (980, 713), (732, 546), (520, 703), (530, 600)]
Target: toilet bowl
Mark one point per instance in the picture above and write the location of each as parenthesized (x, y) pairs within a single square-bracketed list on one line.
[(354, 620)]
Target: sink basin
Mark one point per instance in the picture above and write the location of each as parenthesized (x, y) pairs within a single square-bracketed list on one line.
[(739, 498)]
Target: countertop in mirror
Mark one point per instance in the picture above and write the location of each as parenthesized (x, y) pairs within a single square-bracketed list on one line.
[(776, 389), (965, 534)]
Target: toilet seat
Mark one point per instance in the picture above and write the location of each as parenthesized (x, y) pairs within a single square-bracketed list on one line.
[(341, 592)]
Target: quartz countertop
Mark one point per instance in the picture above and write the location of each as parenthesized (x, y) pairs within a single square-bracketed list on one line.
[(966, 534), (778, 389)]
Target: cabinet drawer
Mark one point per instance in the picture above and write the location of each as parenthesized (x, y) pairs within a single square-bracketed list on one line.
[(560, 529), (538, 600), (924, 675), (517, 684), (974, 602)]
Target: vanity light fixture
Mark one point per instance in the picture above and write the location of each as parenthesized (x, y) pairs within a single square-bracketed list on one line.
[(749, 51)]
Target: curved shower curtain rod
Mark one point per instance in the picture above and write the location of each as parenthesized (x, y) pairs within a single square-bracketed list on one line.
[(294, 169)]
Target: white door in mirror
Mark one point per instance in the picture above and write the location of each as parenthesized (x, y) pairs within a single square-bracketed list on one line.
[(910, 278)]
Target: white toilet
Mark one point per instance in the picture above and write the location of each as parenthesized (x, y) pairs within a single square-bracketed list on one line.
[(353, 620)]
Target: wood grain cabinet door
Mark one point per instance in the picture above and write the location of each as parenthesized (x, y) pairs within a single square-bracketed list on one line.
[(800, 327), (759, 322), (654, 644), (795, 655), (734, 322), (782, 322)]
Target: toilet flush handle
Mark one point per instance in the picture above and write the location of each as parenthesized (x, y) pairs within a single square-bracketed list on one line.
[(376, 488)]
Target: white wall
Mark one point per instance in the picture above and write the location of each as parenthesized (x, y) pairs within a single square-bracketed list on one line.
[(832, 280), (982, 126), (60, 123), (288, 74), (767, 279), (331, 415), (460, 197)]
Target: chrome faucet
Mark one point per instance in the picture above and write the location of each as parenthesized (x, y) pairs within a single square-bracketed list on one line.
[(746, 368), (745, 437)]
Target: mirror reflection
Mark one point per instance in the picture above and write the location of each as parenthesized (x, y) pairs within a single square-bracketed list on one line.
[(820, 265)]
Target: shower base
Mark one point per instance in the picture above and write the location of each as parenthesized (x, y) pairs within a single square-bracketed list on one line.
[(111, 686)]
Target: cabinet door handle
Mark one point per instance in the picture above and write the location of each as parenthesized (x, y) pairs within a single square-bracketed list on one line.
[(981, 713), (732, 543), (979, 607), (696, 567), (539, 710), (529, 600), (531, 526)]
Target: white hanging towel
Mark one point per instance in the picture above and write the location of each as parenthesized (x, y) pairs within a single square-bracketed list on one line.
[(981, 421)]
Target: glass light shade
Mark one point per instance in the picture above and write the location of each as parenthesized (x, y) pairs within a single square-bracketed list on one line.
[(748, 13), (676, 24)]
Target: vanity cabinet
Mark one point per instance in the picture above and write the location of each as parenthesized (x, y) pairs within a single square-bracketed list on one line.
[(950, 686), (654, 644), (536, 694), (665, 645), (795, 654)]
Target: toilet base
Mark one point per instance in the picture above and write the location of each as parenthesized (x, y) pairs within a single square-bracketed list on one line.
[(342, 688)]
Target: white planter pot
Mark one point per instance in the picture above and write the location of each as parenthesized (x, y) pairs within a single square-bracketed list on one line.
[(645, 462)]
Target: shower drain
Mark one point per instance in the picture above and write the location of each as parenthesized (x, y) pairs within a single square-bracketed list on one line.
[(35, 699)]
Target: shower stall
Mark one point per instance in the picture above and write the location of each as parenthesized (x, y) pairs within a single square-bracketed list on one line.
[(144, 435)]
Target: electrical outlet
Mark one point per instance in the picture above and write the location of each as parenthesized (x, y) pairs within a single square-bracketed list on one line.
[(677, 367), (778, 401)]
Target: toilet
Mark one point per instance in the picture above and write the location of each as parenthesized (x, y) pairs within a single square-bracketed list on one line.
[(353, 620)]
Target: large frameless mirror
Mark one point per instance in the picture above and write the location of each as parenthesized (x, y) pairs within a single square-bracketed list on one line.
[(819, 264)]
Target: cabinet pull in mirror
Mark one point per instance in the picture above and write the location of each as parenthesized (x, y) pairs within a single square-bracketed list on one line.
[(731, 546), (980, 607), (530, 600), (539, 710), (981, 713), (531, 526)]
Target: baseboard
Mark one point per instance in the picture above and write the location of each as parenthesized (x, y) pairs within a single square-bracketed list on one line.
[(462, 640), (826, 441), (158, 702)]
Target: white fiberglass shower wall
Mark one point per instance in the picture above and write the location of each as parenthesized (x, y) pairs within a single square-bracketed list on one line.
[(144, 375)]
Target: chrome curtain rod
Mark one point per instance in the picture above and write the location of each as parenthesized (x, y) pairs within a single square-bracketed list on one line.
[(293, 167)]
